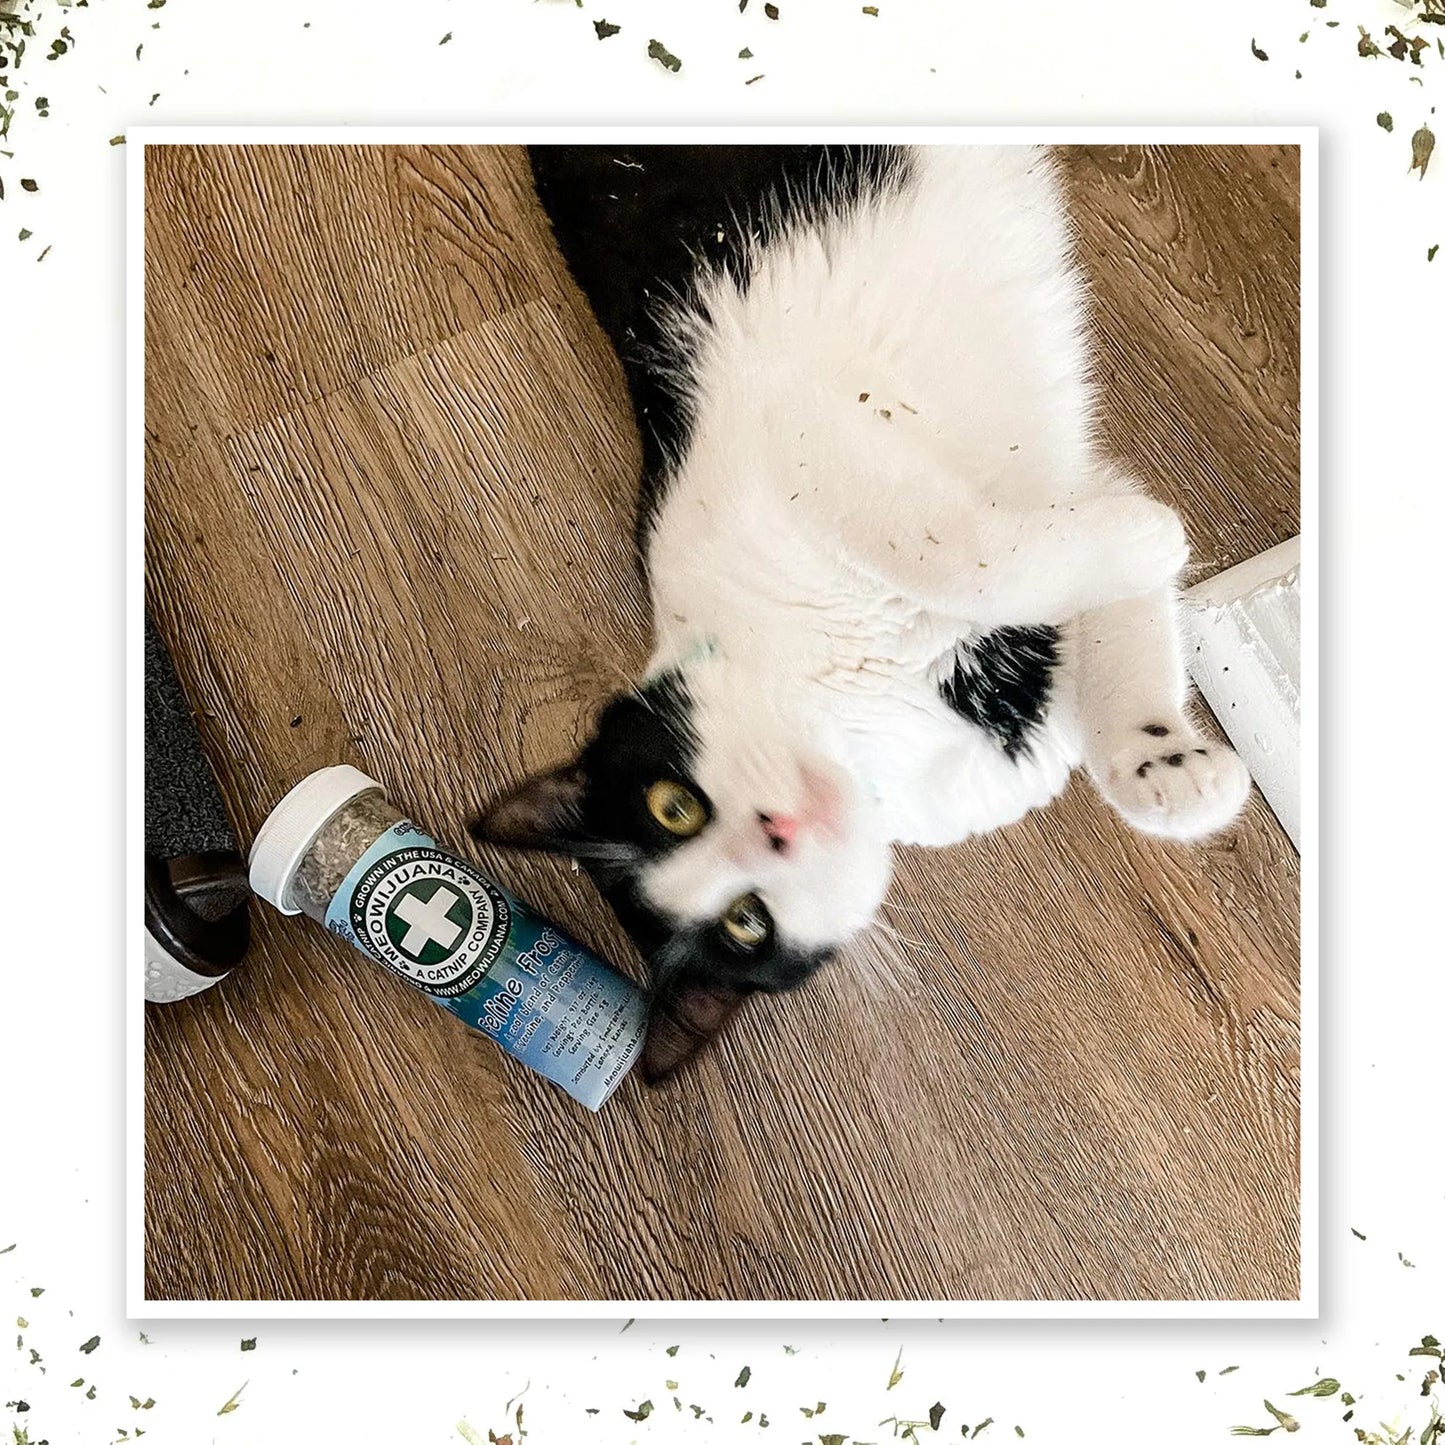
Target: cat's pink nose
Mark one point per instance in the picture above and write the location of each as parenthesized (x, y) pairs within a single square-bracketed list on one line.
[(781, 829)]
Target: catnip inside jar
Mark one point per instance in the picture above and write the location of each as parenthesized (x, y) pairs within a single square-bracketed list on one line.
[(335, 849)]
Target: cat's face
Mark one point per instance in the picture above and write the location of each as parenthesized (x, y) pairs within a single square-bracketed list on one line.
[(737, 858)]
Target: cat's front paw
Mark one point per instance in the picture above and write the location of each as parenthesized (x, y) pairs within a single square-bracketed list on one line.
[(1151, 543), (1125, 547), (1167, 780)]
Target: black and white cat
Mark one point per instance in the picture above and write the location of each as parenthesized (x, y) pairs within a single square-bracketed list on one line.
[(898, 591)]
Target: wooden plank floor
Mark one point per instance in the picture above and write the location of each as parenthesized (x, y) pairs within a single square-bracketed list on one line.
[(390, 473)]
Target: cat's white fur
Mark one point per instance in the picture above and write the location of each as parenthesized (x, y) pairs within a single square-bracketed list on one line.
[(894, 449)]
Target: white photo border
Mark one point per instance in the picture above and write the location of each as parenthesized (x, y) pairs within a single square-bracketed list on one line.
[(138, 1307)]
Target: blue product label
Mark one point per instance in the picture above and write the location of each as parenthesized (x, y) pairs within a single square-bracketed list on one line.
[(437, 922)]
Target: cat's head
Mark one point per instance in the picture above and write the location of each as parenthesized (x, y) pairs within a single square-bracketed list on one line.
[(735, 854)]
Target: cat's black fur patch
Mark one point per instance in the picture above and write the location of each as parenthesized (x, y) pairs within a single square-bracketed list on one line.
[(1001, 682), (635, 224), (641, 737)]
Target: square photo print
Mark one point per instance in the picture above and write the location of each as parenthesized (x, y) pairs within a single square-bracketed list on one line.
[(722, 723)]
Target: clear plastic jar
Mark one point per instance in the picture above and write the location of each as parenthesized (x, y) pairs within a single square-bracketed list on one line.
[(337, 850)]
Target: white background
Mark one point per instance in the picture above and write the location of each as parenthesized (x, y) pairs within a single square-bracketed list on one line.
[(61, 474)]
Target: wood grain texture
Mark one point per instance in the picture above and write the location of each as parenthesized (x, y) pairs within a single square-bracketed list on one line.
[(390, 475)]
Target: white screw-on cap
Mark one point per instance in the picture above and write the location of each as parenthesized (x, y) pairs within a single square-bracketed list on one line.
[(289, 831)]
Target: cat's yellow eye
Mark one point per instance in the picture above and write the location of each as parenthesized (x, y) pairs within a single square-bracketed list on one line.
[(747, 921), (675, 808)]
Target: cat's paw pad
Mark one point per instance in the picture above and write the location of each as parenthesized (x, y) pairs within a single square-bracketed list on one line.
[(1169, 781)]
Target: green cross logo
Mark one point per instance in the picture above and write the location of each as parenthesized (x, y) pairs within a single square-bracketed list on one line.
[(427, 920)]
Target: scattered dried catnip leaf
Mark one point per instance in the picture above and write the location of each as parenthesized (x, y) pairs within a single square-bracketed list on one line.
[(753, 79), (641, 1412), (771, 11), (1367, 47), (744, 1375), (663, 56), (234, 1403), (1386, 122), (445, 38), (745, 53), (1322, 1388), (935, 1414), (672, 1349), (1200, 1375), (1430, 254), (27, 183), (1422, 144), (1255, 51), (1286, 1420), (605, 28), (89, 1346), (249, 1344), (1402, 45), (897, 1374), (870, 10), (117, 140), (1229, 1369), (36, 1291), (1356, 1233)]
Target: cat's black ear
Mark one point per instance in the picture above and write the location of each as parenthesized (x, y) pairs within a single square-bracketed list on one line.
[(687, 1013), (544, 813)]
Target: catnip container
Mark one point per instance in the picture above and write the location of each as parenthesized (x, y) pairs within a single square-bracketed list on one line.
[(335, 849)]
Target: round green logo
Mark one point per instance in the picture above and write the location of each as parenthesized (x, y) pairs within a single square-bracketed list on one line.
[(431, 918), (428, 921)]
